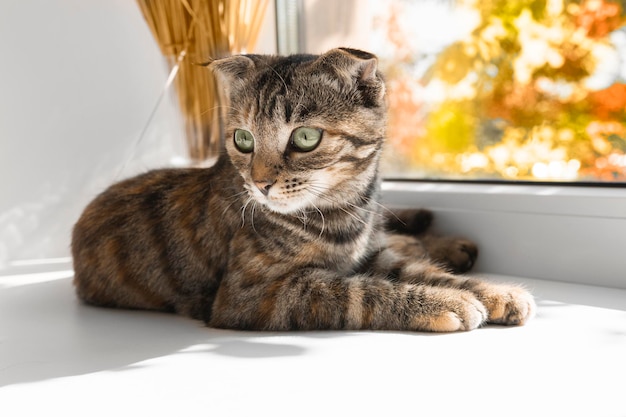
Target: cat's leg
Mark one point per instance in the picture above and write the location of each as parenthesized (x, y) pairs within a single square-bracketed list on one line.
[(506, 303), (456, 254), (312, 299), (408, 221)]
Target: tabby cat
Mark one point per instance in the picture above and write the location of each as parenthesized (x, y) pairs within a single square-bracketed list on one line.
[(285, 232)]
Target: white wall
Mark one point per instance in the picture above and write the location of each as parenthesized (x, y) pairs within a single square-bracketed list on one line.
[(78, 81)]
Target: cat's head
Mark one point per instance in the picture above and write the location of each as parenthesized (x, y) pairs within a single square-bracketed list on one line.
[(305, 132)]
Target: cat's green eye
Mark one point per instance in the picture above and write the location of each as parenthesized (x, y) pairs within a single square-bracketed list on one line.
[(244, 141), (306, 139)]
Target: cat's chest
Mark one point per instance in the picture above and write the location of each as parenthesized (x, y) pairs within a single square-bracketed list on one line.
[(288, 246), (341, 250), (268, 243), (341, 258)]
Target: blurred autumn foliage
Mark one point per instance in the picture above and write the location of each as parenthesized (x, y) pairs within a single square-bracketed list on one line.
[(534, 90)]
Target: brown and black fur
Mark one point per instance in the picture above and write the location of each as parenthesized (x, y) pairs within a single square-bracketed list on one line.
[(280, 239)]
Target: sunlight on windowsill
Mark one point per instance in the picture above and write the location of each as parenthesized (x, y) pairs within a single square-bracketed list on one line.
[(55, 349)]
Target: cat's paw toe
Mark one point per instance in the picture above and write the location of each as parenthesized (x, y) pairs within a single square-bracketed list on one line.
[(461, 312), (509, 305), (462, 255), (458, 255), (473, 314)]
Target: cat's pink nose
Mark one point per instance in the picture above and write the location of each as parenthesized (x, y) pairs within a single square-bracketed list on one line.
[(264, 185)]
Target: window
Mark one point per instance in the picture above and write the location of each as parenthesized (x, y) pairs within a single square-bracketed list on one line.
[(531, 90)]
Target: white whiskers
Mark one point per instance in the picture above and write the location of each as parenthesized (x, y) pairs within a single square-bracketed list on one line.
[(319, 193), (243, 210), (234, 198), (322, 217), (322, 189)]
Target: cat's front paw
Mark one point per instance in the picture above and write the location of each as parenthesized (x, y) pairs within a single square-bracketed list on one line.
[(508, 304), (452, 310)]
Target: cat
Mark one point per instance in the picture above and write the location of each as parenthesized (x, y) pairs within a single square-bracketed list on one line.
[(285, 231)]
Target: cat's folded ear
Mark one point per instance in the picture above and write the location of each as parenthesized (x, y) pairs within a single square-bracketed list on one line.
[(354, 66), (232, 71), (350, 63)]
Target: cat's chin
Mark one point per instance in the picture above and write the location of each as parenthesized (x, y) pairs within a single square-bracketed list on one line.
[(281, 207), (290, 206)]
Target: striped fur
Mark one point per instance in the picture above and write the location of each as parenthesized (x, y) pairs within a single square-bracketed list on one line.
[(278, 238)]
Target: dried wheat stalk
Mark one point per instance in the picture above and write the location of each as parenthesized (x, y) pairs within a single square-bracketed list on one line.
[(202, 30)]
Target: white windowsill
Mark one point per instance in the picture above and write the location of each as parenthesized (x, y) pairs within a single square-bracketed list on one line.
[(58, 356), (563, 233)]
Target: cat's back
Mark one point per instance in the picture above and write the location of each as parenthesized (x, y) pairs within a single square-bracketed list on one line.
[(153, 239), (142, 201)]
